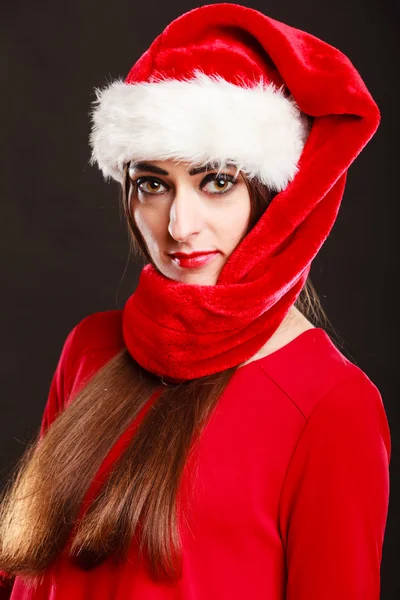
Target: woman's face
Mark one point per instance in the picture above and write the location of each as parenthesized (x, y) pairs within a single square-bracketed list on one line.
[(178, 209)]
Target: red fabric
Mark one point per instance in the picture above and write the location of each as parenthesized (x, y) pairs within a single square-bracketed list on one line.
[(292, 487), (188, 331)]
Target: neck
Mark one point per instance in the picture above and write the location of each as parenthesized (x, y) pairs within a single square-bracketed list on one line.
[(292, 325)]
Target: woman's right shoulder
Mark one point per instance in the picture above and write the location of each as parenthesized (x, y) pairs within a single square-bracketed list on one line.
[(89, 345), (97, 331)]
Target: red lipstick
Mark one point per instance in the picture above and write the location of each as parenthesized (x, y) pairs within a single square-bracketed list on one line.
[(194, 259)]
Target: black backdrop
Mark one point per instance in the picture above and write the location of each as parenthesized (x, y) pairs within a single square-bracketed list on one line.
[(64, 246)]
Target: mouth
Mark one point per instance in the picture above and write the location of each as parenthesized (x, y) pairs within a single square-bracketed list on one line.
[(193, 260)]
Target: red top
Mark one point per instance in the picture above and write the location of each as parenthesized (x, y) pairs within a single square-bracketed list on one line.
[(292, 490)]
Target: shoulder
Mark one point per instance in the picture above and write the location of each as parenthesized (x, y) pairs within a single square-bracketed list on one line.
[(351, 410), (89, 345), (314, 375), (98, 330)]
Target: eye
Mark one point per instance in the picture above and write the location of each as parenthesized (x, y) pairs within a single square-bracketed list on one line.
[(149, 185), (219, 183)]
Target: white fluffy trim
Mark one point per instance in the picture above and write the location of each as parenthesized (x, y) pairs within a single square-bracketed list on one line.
[(199, 120)]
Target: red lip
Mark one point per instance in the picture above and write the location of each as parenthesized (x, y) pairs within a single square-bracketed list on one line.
[(192, 254), (193, 260)]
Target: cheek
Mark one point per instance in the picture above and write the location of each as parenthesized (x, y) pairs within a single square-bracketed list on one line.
[(150, 223)]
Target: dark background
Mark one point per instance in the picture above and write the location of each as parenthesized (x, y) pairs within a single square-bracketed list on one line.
[(64, 247)]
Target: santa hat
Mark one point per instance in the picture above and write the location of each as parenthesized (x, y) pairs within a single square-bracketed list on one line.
[(209, 91), (221, 83), (202, 95)]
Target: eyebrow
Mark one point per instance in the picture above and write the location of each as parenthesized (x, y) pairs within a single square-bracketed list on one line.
[(143, 166)]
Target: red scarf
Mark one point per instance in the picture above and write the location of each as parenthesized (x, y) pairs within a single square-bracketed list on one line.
[(182, 331)]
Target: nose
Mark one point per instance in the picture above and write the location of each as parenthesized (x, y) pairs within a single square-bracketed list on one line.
[(185, 217)]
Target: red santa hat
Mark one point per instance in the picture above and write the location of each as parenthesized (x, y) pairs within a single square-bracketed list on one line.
[(225, 83), (204, 96)]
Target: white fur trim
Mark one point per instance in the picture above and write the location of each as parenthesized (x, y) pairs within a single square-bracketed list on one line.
[(199, 120)]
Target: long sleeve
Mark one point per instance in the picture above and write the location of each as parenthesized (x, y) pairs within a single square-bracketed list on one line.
[(54, 405), (334, 500)]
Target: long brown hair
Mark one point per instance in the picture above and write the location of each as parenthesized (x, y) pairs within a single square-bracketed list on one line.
[(41, 503)]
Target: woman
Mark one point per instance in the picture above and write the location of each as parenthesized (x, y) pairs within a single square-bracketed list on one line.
[(208, 441)]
